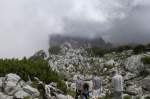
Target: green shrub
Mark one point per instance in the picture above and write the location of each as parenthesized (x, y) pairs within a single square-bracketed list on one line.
[(109, 66), (26, 98), (138, 97), (122, 48), (146, 60), (127, 97), (71, 92), (147, 97), (139, 49)]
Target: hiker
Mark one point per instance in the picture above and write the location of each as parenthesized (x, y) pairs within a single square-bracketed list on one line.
[(117, 85), (96, 86), (79, 84), (85, 91)]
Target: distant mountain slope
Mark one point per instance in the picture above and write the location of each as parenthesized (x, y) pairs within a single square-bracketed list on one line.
[(78, 41)]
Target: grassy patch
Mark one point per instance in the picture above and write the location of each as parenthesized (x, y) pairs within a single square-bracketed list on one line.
[(127, 97)]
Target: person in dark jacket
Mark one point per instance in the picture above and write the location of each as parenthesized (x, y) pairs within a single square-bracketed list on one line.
[(85, 92)]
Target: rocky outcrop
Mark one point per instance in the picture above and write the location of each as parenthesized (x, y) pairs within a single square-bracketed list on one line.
[(145, 83), (134, 64), (4, 96), (75, 62), (12, 86)]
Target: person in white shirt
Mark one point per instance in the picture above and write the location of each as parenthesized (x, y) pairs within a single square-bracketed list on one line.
[(117, 85)]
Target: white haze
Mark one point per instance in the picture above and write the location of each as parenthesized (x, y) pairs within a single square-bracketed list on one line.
[(25, 25)]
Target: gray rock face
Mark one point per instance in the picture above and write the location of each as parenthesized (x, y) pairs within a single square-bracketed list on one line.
[(10, 84), (134, 64), (3, 96), (14, 87), (135, 90), (129, 76), (21, 94), (75, 62), (145, 83), (32, 91)]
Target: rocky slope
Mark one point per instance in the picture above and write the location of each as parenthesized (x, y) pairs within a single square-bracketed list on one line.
[(13, 87), (72, 62)]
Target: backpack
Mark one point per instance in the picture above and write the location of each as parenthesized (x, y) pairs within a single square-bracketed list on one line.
[(86, 95)]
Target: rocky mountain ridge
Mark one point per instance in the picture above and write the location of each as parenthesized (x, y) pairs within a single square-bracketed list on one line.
[(77, 42)]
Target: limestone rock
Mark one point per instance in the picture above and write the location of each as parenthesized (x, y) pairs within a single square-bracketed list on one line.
[(21, 94), (134, 64), (10, 83), (32, 91), (145, 83), (3, 96)]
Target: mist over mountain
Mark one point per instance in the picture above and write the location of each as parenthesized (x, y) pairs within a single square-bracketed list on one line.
[(25, 25), (78, 41)]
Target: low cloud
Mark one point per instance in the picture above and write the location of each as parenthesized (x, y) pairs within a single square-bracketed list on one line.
[(26, 25)]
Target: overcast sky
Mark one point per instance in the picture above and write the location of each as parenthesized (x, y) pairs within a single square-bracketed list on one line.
[(26, 24)]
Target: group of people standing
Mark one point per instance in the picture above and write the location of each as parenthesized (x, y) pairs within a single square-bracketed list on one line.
[(83, 92)]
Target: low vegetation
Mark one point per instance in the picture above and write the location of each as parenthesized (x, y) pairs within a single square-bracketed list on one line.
[(122, 48), (31, 68), (147, 97), (139, 49), (138, 97), (127, 97), (100, 52), (146, 60), (109, 66)]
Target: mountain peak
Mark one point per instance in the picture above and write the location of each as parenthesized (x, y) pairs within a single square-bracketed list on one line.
[(76, 41)]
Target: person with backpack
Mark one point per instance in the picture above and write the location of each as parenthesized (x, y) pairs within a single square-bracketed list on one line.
[(85, 91), (79, 84), (97, 86)]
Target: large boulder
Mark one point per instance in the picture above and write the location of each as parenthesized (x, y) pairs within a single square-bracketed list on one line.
[(21, 94), (134, 64), (111, 62), (32, 91), (11, 83), (145, 83), (14, 86), (3, 96), (134, 90)]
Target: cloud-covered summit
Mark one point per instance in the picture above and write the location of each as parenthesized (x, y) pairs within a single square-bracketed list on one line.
[(26, 24)]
